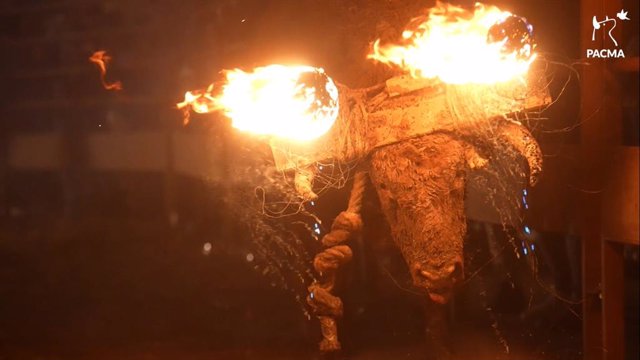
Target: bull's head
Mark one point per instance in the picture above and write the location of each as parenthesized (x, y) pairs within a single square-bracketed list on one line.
[(420, 183), (421, 186), (421, 138)]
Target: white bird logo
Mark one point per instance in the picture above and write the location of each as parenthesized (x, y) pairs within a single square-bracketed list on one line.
[(622, 15)]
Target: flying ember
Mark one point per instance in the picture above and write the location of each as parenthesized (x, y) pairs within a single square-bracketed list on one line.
[(458, 46), (101, 59), (292, 102)]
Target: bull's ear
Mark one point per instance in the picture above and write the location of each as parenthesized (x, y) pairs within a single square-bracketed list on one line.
[(526, 145)]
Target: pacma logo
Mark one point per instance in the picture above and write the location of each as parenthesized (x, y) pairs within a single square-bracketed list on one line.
[(600, 25)]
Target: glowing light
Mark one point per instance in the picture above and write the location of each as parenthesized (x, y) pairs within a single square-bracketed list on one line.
[(206, 248), (457, 46), (524, 250), (249, 257), (524, 192), (527, 230), (292, 102), (101, 59)]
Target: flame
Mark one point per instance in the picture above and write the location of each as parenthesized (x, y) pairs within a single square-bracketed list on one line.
[(451, 43), (101, 59), (201, 102), (292, 102)]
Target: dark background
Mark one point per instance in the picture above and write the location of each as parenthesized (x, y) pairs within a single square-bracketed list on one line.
[(99, 263)]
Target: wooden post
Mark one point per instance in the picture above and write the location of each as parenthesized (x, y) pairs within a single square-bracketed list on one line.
[(612, 300), (4, 170), (620, 226), (592, 92), (599, 131), (170, 212)]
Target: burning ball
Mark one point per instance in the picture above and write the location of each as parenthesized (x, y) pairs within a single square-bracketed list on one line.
[(321, 90), (459, 46), (297, 103), (516, 34)]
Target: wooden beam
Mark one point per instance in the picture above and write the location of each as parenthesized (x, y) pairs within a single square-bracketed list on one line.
[(193, 154), (4, 169), (403, 110)]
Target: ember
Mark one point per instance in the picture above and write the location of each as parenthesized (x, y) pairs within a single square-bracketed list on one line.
[(101, 59)]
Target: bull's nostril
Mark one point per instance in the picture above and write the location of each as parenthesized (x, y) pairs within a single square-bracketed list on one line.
[(455, 270), (439, 275), (428, 275)]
